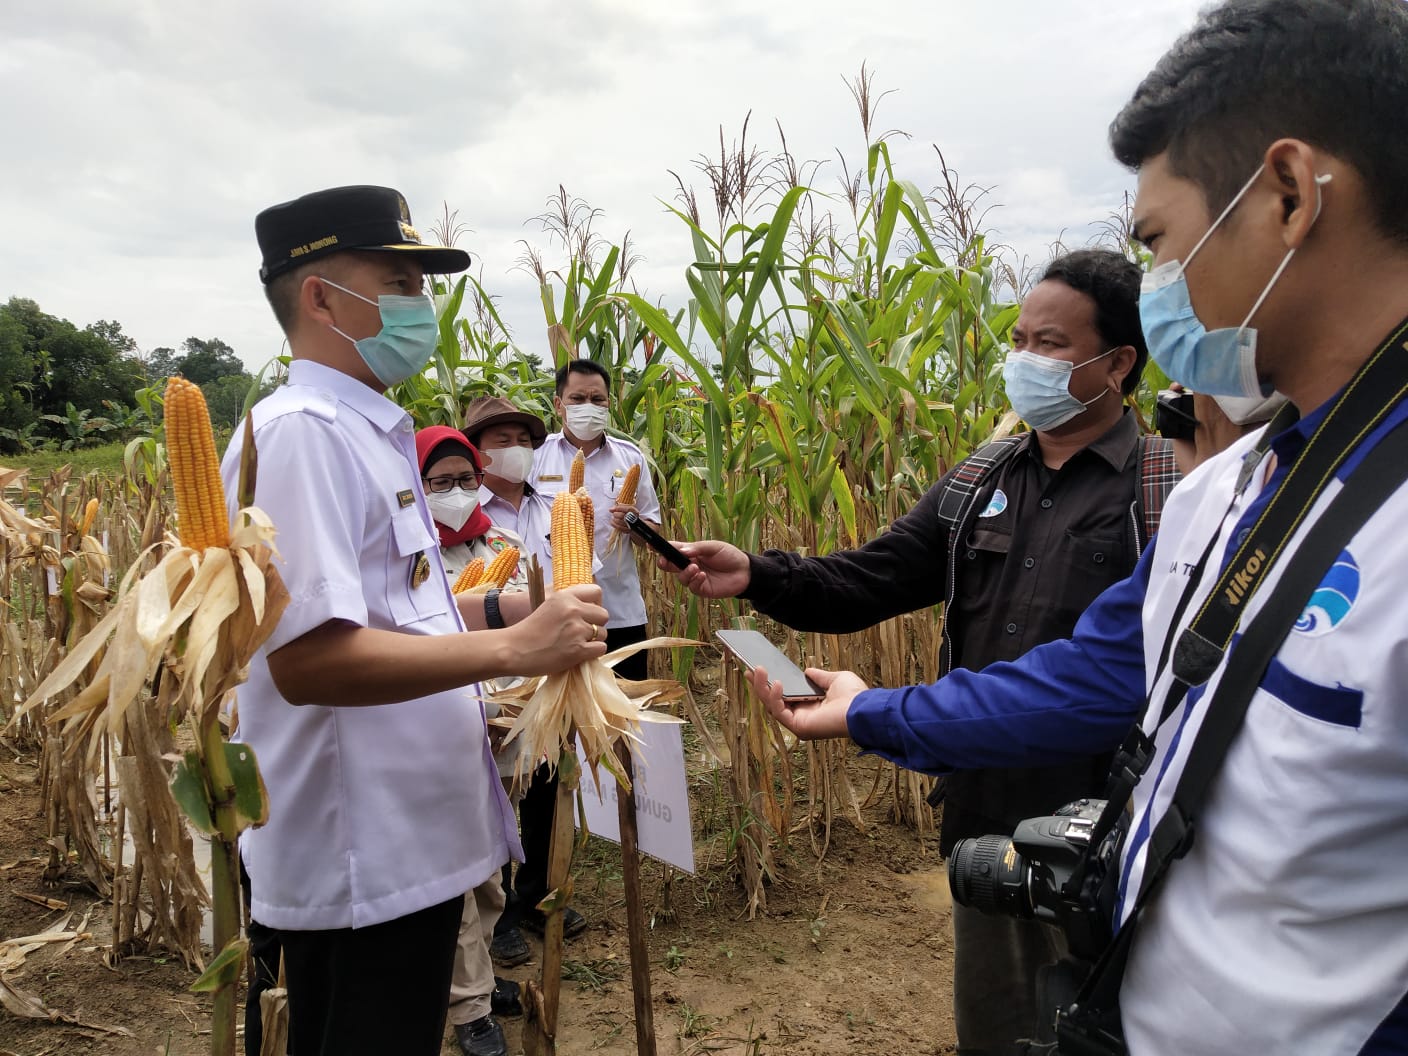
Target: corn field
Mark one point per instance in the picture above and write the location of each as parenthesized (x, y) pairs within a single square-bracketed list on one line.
[(837, 354)]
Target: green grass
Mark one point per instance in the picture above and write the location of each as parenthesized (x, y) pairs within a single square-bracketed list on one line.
[(105, 459)]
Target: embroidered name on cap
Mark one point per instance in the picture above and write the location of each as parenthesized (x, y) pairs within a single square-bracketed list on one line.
[(309, 247)]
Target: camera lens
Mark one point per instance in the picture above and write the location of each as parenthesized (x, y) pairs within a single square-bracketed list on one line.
[(989, 875)]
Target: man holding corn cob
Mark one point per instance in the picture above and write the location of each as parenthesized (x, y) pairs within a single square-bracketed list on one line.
[(1039, 528), (385, 805), (614, 473)]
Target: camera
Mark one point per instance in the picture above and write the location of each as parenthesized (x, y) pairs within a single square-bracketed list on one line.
[(1046, 870)]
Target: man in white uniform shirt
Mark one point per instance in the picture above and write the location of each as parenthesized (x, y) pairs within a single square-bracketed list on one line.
[(384, 802), (583, 406)]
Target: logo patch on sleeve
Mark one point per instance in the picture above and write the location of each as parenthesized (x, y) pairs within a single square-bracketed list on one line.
[(1333, 598)]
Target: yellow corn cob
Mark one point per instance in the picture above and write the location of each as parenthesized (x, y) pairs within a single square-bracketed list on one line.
[(588, 518), (472, 574), (577, 476), (571, 555), (195, 471), (89, 512), (502, 568), (627, 495)]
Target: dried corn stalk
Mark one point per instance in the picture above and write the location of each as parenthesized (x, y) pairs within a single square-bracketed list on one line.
[(202, 612)]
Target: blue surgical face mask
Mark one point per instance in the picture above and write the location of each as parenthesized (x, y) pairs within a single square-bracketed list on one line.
[(407, 339), (1218, 362), (1039, 388)]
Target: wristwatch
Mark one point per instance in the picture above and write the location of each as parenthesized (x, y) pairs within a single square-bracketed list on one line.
[(493, 618)]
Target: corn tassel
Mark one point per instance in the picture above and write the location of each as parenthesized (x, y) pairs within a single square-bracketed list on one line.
[(627, 495), (472, 574), (195, 471), (588, 518), (571, 554), (577, 476), (502, 568)]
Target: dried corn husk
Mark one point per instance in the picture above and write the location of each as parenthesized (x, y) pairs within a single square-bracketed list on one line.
[(226, 600), (601, 706)]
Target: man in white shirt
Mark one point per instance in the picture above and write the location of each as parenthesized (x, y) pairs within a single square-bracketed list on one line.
[(582, 405), (385, 805)]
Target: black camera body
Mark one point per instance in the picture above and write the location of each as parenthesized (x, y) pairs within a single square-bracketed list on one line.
[(1046, 870)]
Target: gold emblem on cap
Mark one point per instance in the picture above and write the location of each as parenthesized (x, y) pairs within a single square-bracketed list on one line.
[(409, 233), (420, 571), (405, 209)]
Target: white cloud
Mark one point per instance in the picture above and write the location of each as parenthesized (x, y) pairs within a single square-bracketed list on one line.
[(142, 138)]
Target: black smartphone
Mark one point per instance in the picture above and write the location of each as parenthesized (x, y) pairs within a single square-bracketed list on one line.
[(1173, 415), (752, 650), (655, 540)]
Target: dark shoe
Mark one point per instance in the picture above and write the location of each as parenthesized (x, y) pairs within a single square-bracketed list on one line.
[(509, 948), (504, 1001), (483, 1037), (573, 923)]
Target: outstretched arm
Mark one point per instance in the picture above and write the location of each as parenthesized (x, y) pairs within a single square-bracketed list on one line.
[(1062, 701)]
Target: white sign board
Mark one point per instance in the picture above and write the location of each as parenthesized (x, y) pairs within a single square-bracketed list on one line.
[(662, 797)]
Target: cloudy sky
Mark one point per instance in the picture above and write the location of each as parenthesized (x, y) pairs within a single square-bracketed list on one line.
[(141, 138)]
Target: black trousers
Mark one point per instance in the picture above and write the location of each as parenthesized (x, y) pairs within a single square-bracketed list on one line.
[(633, 667), (375, 990), (264, 950)]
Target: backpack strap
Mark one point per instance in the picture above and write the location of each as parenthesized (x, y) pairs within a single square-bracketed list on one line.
[(963, 484), (1155, 477)]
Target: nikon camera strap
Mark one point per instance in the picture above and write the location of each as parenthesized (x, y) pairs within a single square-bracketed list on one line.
[(1379, 385)]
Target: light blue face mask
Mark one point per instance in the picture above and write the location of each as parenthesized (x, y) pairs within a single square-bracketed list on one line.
[(1218, 362), (1039, 388), (409, 333)]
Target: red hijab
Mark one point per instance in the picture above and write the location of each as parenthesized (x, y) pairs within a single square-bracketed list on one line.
[(440, 441)]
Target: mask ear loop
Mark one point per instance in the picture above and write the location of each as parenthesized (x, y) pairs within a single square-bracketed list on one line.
[(1320, 181), (1222, 216)]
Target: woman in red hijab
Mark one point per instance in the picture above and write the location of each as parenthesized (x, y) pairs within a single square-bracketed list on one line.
[(452, 472)]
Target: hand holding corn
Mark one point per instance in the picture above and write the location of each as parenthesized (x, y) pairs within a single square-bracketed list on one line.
[(567, 629)]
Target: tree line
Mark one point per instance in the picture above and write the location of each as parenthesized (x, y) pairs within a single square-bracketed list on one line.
[(66, 387)]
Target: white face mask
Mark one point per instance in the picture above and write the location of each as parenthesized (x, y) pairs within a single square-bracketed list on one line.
[(452, 508), (511, 463), (586, 421), (1244, 410)]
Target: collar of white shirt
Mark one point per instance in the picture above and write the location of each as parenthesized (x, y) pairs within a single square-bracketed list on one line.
[(373, 406)]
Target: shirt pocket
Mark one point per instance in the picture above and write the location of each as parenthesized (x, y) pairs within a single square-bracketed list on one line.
[(1339, 705), (1079, 568), (407, 603)]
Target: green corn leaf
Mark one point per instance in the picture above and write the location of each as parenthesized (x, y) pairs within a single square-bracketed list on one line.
[(224, 970)]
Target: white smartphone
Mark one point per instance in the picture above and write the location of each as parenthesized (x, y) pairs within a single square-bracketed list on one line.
[(753, 650)]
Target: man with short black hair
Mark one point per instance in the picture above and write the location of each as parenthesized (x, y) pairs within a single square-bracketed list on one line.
[(384, 802), (1015, 542), (583, 406), (1257, 891)]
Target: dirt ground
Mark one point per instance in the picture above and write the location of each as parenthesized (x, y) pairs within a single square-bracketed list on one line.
[(851, 955)]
